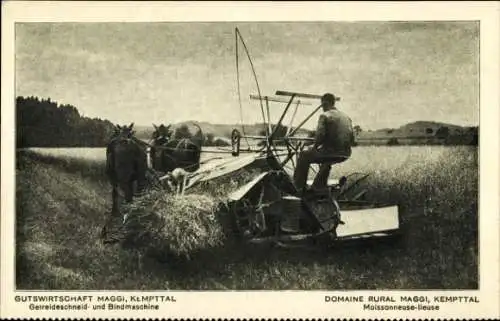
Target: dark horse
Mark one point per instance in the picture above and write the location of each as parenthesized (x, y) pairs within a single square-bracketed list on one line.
[(178, 147), (126, 164)]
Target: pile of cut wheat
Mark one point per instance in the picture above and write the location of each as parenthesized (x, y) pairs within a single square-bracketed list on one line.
[(180, 225), (174, 224)]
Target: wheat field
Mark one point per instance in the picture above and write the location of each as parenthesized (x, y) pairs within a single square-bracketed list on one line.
[(62, 198)]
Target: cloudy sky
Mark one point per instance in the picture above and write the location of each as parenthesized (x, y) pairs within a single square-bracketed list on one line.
[(387, 74)]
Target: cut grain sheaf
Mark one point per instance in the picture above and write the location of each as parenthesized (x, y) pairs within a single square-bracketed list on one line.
[(167, 223), (180, 224)]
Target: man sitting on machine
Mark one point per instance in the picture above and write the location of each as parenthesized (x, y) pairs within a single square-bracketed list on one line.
[(332, 145)]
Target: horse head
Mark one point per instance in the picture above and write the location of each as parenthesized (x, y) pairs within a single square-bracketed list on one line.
[(176, 146), (123, 132), (161, 135)]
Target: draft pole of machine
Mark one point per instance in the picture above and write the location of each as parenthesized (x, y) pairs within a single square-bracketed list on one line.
[(278, 125), (269, 125), (297, 128), (293, 117), (282, 116), (290, 130), (305, 120)]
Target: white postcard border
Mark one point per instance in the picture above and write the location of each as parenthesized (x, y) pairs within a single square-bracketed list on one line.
[(267, 304)]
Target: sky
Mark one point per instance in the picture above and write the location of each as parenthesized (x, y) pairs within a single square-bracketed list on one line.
[(387, 74)]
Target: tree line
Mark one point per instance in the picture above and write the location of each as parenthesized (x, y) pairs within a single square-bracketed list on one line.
[(44, 123)]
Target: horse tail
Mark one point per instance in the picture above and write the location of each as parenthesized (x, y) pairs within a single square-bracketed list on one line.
[(141, 167)]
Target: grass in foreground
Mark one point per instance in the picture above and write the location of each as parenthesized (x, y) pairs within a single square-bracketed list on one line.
[(60, 213)]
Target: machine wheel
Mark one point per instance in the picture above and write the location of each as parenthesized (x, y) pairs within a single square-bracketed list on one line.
[(242, 212)]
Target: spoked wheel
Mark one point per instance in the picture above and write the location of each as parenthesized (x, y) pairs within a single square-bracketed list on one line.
[(243, 211), (287, 156)]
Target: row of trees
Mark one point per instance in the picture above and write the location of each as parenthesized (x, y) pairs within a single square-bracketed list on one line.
[(44, 123)]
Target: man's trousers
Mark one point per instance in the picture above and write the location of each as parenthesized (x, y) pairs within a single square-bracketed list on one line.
[(313, 156)]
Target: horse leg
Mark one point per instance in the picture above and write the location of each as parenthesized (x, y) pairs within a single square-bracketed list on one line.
[(128, 189), (115, 211), (141, 169), (171, 161), (152, 158), (116, 206), (197, 156)]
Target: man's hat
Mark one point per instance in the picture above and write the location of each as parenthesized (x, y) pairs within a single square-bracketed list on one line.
[(329, 98)]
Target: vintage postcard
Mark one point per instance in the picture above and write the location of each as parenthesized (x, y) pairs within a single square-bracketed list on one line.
[(250, 160)]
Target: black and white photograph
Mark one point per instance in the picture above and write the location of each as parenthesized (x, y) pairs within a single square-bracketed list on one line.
[(248, 155)]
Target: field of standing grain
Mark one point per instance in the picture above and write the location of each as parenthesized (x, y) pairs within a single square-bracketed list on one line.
[(63, 198)]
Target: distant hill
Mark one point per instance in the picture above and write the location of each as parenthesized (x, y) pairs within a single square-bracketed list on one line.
[(415, 133), (222, 131), (44, 123), (421, 132)]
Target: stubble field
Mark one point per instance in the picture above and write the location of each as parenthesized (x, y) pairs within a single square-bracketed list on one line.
[(63, 197)]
